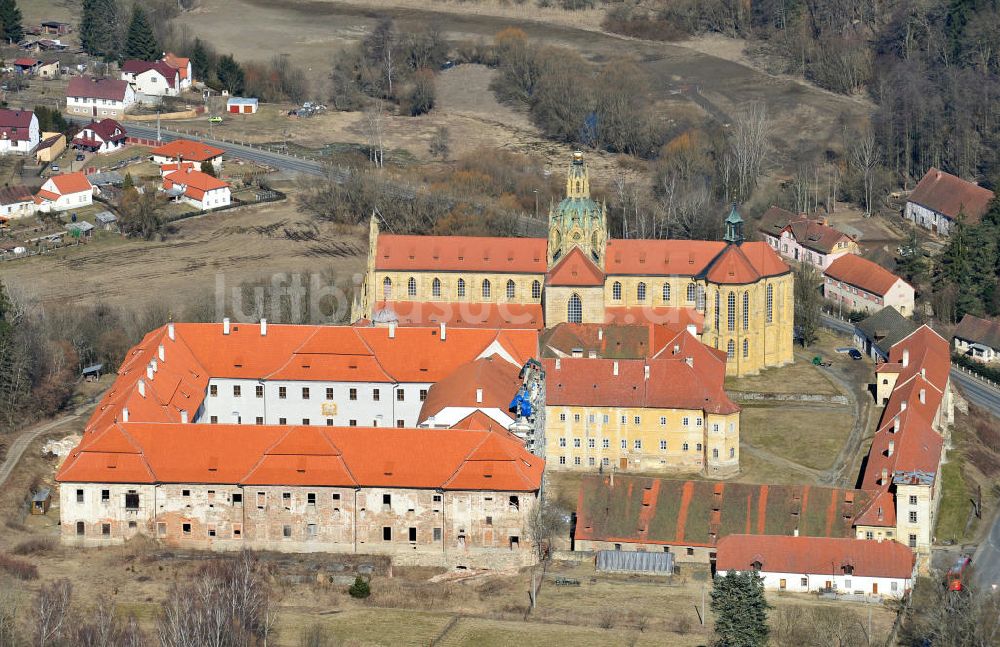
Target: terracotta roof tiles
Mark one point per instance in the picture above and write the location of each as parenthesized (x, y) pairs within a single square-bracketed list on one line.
[(949, 195), (815, 555), (461, 253), (862, 273)]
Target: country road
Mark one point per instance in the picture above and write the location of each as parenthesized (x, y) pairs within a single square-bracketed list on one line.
[(24, 440)]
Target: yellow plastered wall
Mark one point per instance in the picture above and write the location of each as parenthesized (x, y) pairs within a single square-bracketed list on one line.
[(557, 304), (449, 287)]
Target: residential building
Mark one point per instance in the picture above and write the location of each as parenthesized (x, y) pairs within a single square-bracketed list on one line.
[(804, 239), (688, 518), (183, 67), (241, 105), (19, 132), (878, 333), (64, 192), (49, 70), (200, 190), (813, 564), (186, 150), (978, 338), (104, 136), (939, 198), (16, 202), (857, 284), (89, 97), (740, 291), (152, 78), (50, 148), (486, 385)]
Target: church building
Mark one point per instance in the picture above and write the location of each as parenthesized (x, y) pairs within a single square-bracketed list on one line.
[(734, 295)]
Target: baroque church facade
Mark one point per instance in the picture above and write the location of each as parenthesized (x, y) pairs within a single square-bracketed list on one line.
[(734, 295)]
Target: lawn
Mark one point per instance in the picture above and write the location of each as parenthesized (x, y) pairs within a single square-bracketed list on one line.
[(810, 435), (365, 627), (800, 377), (954, 509)]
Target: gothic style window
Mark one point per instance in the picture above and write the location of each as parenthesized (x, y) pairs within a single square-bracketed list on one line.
[(700, 298), (640, 292), (574, 310), (746, 348), (731, 311), (486, 288), (436, 287), (770, 303), (511, 292), (691, 292), (411, 287), (718, 307), (461, 288), (386, 288), (731, 350), (666, 292), (616, 291), (746, 310), (536, 290)]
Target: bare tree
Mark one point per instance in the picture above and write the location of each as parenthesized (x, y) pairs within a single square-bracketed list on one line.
[(866, 156), (9, 605), (50, 616), (546, 522), (441, 143), (748, 148), (375, 116)]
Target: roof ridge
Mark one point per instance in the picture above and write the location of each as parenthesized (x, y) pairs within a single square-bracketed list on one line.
[(465, 460), (142, 453), (340, 456)]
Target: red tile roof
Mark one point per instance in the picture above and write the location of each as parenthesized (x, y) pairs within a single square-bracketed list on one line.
[(660, 257), (169, 73), (107, 130), (665, 315), (87, 87), (196, 184), (575, 269), (811, 232), (949, 195), (26, 62), (461, 253), (466, 314), (862, 274), (494, 377), (179, 63), (746, 263), (71, 183), (15, 124), (189, 151), (815, 555)]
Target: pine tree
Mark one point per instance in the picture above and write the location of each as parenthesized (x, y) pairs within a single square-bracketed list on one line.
[(207, 168), (141, 42), (10, 18), (100, 34), (740, 610), (199, 60), (230, 74)]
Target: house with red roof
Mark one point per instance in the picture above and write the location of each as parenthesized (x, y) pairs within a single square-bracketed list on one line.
[(854, 283), (104, 136), (201, 190), (804, 239), (106, 98), (16, 201), (940, 198), (19, 131), (185, 150), (152, 78), (811, 564), (183, 67), (64, 192)]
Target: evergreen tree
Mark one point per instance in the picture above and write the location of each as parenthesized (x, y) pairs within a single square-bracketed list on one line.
[(207, 168), (100, 34), (199, 60), (10, 18), (740, 610), (911, 262), (128, 182), (141, 41), (230, 74)]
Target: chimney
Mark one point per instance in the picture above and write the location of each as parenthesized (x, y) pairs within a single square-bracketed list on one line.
[(923, 372), (646, 371), (124, 414), (923, 396), (392, 330), (263, 327), (600, 334), (895, 426), (885, 475), (689, 361), (892, 447), (558, 364), (615, 368), (155, 364), (225, 325), (795, 533), (170, 330), (184, 416), (902, 406), (444, 331), (677, 348), (149, 371), (142, 387), (160, 351), (479, 396), (906, 357)]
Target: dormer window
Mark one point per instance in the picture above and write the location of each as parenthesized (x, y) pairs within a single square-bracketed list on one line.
[(756, 565)]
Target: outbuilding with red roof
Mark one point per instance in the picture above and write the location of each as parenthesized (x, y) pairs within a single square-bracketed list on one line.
[(857, 284), (940, 198)]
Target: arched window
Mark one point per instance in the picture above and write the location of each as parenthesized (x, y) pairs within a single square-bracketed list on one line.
[(578, 186), (461, 288), (731, 350), (536, 290), (616, 291), (746, 310), (718, 307), (666, 292), (574, 310), (486, 288), (411, 287), (436, 287), (700, 298), (691, 292), (731, 311), (511, 290), (387, 288), (640, 292), (746, 348), (770, 303), (715, 452)]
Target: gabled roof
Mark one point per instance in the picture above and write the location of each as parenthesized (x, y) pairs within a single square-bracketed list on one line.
[(949, 195), (108, 130), (863, 274), (461, 254), (26, 62), (886, 327), (980, 331), (465, 314), (196, 184), (15, 124), (188, 150), (135, 67), (494, 377), (67, 183), (810, 232), (179, 63), (576, 270), (617, 341), (660, 257), (746, 263), (15, 194), (815, 556), (87, 87)]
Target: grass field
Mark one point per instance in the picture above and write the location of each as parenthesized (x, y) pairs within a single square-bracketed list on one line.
[(800, 377), (808, 435), (954, 510)]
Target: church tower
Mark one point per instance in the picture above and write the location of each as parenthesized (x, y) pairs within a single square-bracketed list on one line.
[(578, 221), (734, 227)]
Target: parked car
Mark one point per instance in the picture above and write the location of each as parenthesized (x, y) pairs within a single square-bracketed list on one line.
[(54, 168), (79, 157), (855, 353)]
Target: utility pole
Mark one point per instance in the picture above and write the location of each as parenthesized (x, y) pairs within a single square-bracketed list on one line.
[(703, 604)]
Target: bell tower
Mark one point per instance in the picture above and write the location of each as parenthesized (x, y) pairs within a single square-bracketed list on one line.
[(577, 221), (734, 227)]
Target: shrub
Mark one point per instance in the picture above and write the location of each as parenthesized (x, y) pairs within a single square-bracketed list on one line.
[(360, 588), (22, 569), (33, 546)]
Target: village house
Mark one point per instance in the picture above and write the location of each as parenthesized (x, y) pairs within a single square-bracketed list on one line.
[(804, 239), (186, 150), (857, 284), (151, 78), (183, 67), (978, 338), (939, 198), (89, 97), (48, 70), (876, 334), (19, 132), (104, 136), (812, 564), (200, 190), (16, 201), (63, 192)]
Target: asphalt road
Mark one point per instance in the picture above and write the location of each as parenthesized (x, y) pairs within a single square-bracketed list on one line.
[(986, 560)]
